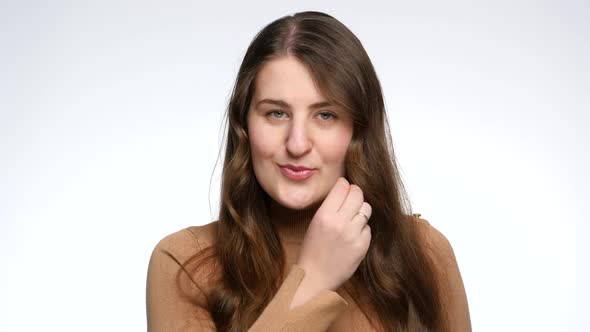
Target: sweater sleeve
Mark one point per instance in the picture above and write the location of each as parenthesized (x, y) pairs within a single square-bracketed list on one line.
[(169, 310)]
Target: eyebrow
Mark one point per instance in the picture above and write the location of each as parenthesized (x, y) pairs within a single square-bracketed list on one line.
[(286, 105)]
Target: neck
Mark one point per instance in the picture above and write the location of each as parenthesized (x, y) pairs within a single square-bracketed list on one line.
[(290, 224)]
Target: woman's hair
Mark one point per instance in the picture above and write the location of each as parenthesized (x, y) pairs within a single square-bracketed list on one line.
[(394, 285)]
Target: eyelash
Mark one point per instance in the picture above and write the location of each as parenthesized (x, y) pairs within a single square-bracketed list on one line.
[(274, 112)]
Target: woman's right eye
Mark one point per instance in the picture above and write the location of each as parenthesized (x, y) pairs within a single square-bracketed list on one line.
[(276, 114)]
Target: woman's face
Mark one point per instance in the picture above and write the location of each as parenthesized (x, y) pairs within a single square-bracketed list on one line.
[(298, 141)]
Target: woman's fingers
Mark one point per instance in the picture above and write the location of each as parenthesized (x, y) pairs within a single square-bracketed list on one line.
[(360, 220), (336, 197), (352, 203)]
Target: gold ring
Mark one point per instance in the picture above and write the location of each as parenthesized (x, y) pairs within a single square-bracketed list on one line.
[(363, 215)]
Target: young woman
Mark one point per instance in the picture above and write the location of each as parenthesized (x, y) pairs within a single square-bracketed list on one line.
[(314, 230)]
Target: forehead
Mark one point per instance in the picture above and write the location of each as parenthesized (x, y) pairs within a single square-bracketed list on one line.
[(288, 79)]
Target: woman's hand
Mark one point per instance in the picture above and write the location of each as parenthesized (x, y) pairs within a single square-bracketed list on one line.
[(336, 241)]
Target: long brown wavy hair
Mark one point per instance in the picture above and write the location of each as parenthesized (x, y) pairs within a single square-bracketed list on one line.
[(394, 285)]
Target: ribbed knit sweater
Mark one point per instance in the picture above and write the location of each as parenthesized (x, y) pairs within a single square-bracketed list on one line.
[(169, 310)]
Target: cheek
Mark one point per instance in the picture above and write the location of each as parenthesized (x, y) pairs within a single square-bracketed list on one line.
[(260, 151), (334, 148), (261, 144)]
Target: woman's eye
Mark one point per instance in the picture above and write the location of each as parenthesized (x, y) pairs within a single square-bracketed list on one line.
[(277, 114), (327, 116)]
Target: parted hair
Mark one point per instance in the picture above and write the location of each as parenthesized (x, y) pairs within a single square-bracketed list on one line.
[(395, 285)]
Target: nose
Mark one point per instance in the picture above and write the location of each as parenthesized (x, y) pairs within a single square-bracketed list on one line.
[(298, 140)]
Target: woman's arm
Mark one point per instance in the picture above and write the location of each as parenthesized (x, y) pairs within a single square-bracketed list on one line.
[(169, 310)]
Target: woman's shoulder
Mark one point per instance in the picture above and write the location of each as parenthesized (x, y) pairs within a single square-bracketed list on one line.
[(453, 297), (184, 243), (435, 242), (417, 218)]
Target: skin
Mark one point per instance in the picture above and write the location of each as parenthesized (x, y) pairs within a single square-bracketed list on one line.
[(295, 132)]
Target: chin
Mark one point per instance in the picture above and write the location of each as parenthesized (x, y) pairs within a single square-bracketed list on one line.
[(296, 202), (294, 205)]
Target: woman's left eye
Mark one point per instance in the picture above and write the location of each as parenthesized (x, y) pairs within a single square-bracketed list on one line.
[(326, 116)]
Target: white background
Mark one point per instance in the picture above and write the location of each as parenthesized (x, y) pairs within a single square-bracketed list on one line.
[(110, 122)]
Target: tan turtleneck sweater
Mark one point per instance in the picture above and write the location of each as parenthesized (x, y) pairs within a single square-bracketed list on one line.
[(332, 311)]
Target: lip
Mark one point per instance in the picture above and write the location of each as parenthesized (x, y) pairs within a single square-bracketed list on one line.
[(295, 172)]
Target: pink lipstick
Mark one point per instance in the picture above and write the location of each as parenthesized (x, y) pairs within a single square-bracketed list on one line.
[(294, 172)]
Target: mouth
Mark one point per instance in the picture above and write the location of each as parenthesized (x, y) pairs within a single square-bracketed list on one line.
[(295, 172)]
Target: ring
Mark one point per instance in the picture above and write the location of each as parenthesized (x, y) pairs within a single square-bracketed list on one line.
[(363, 215)]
